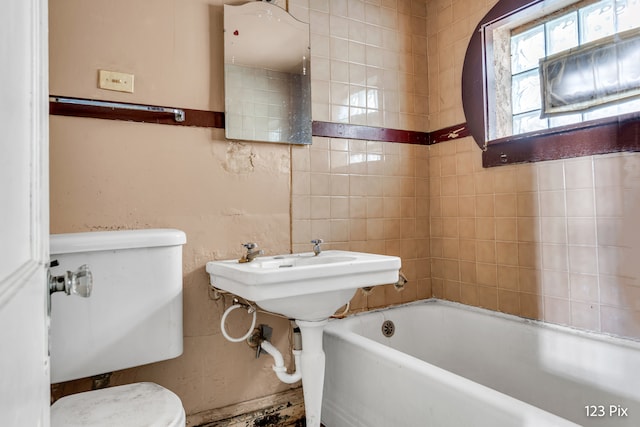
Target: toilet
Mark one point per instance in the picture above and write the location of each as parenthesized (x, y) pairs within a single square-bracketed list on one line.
[(132, 317)]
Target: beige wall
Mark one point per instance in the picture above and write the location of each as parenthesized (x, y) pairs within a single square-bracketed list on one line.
[(368, 68), (545, 241), (111, 174), (549, 240), (366, 196), (554, 240)]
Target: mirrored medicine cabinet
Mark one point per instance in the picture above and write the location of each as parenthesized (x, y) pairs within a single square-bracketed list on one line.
[(266, 74)]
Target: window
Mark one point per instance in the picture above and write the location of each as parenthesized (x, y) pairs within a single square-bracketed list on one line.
[(605, 72), (519, 88), (502, 91)]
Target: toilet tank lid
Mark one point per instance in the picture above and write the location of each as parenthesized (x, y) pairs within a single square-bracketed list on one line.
[(119, 239)]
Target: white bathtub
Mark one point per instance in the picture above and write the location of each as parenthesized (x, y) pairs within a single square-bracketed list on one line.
[(452, 365)]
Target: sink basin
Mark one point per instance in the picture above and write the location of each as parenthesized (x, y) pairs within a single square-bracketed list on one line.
[(304, 286), (309, 289)]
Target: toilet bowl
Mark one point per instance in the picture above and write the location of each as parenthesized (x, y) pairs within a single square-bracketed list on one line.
[(132, 317)]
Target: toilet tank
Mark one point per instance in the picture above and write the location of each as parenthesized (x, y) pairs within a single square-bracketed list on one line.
[(134, 314)]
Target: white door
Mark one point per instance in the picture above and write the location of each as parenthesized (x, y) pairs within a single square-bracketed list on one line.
[(24, 214)]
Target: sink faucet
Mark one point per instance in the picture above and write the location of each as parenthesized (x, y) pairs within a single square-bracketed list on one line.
[(252, 252), (316, 246)]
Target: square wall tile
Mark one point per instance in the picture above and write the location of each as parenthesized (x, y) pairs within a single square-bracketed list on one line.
[(583, 259), (581, 231), (557, 310), (579, 173), (580, 203)]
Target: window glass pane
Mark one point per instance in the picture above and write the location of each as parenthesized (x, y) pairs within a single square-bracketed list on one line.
[(628, 12), (528, 122), (614, 110), (526, 49), (562, 33), (591, 75), (597, 21), (525, 92), (628, 57), (601, 113), (565, 120), (606, 71), (604, 65), (629, 106)]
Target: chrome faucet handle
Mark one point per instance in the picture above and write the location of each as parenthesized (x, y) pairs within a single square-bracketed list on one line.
[(250, 245), (252, 252), (316, 246), (79, 282)]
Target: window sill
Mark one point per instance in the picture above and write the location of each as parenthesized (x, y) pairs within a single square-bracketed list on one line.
[(609, 135)]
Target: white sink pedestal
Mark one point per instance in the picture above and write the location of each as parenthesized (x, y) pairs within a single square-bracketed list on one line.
[(312, 369), (307, 286)]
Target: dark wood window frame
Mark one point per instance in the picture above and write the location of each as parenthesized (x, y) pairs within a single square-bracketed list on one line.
[(609, 135)]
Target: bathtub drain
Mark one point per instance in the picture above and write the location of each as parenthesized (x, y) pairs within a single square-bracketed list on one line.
[(388, 328)]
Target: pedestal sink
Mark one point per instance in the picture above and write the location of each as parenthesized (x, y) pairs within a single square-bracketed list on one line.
[(308, 288)]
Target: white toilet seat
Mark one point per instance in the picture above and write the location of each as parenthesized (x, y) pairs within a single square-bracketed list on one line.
[(131, 405)]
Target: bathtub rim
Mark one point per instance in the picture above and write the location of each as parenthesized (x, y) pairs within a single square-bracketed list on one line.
[(483, 393), (628, 342)]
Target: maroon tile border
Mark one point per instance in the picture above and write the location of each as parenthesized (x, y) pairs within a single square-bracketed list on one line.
[(599, 137), (199, 118), (449, 134), (370, 133), (214, 119)]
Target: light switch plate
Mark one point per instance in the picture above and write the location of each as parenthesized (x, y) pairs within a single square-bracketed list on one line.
[(113, 80)]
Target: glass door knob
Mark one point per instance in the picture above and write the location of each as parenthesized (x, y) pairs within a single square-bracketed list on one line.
[(79, 282)]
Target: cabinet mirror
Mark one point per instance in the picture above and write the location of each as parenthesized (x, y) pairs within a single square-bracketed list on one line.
[(266, 74)]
